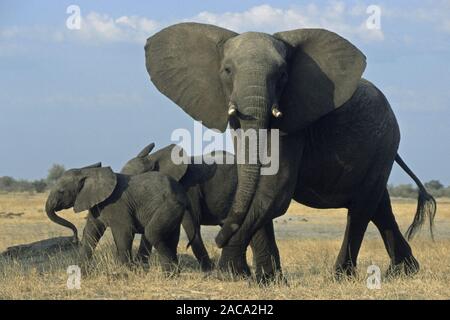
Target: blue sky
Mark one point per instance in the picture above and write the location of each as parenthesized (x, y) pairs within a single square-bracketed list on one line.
[(80, 96)]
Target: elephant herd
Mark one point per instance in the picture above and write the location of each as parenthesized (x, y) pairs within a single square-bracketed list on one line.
[(337, 144)]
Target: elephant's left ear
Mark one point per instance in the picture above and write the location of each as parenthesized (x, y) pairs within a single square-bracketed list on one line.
[(324, 71), (96, 185)]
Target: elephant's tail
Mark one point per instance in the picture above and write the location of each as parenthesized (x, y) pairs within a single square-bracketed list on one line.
[(426, 204)]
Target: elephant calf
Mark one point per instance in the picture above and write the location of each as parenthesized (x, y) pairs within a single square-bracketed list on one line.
[(210, 189), (152, 204)]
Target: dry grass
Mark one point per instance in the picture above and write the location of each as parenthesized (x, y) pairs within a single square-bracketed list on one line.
[(309, 241)]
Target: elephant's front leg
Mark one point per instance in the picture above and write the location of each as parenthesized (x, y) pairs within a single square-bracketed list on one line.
[(123, 238), (266, 257), (272, 198), (92, 233), (144, 251), (233, 258)]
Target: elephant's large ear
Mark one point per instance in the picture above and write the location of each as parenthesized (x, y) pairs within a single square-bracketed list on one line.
[(324, 71), (146, 151), (184, 64), (96, 185), (166, 164)]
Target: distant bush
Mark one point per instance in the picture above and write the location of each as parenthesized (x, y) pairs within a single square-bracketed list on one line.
[(40, 185), (434, 187), (54, 173), (9, 184)]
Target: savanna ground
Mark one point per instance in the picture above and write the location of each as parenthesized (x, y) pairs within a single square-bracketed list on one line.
[(309, 241)]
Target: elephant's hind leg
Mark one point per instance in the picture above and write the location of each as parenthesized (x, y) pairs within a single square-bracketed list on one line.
[(163, 232), (400, 253), (166, 246), (198, 247), (362, 208), (354, 233)]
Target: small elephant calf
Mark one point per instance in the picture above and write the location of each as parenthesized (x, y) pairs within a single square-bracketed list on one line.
[(151, 203)]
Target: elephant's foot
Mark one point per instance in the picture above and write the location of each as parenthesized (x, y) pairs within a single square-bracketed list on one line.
[(269, 272), (170, 270), (206, 265), (267, 279), (233, 263), (407, 266), (344, 271), (137, 265), (86, 269), (169, 265), (142, 260)]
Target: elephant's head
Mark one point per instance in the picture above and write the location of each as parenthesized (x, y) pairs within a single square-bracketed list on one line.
[(160, 160), (81, 189), (253, 81)]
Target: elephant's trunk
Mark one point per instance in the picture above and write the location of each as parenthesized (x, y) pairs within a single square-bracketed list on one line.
[(257, 107), (51, 214)]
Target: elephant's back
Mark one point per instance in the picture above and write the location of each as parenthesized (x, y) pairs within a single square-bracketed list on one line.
[(156, 186)]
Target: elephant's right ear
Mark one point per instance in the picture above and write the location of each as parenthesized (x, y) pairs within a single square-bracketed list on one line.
[(183, 62), (166, 164), (146, 151), (97, 185)]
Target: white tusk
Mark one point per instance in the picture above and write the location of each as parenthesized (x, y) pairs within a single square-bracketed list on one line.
[(232, 109), (275, 112)]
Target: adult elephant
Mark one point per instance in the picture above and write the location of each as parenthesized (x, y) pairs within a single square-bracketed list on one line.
[(343, 136)]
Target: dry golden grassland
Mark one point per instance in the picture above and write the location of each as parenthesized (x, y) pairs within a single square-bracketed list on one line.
[(309, 241)]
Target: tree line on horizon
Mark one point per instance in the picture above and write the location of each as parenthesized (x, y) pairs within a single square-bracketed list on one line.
[(9, 184)]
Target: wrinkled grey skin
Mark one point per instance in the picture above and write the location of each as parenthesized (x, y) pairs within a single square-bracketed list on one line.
[(151, 204), (343, 135), (211, 188)]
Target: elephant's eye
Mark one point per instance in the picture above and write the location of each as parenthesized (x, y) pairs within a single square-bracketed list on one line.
[(227, 70)]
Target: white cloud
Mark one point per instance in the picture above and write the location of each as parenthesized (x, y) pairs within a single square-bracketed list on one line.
[(95, 27), (102, 27), (335, 16), (98, 27), (347, 20)]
